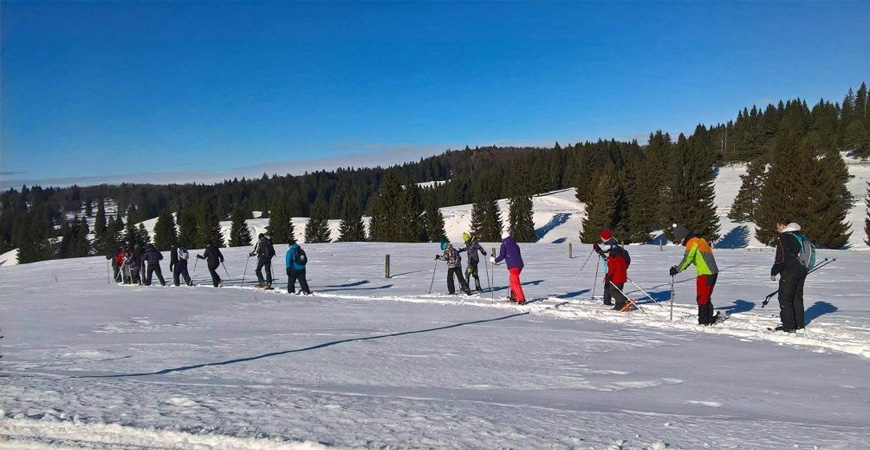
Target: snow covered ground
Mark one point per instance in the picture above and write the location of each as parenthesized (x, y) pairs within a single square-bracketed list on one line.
[(369, 362)]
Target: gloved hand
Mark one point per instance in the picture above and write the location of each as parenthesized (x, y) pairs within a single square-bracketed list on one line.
[(251, 254), (674, 271), (492, 260), (597, 249)]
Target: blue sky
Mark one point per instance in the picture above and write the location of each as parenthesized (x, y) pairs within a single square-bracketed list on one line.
[(198, 91)]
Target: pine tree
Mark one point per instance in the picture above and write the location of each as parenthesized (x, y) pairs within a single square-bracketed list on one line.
[(690, 187), (32, 233), (522, 227), (411, 227), (66, 238), (208, 225), (143, 238), (351, 228), (387, 215), (82, 246), (187, 227), (601, 208), (828, 202), (478, 210), (100, 220), (745, 205), (787, 186), (642, 203), (433, 222), (280, 226), (317, 228), (240, 233), (585, 174), (165, 233)]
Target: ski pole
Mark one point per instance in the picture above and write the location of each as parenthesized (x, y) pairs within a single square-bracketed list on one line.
[(595, 280), (672, 299), (630, 301), (225, 269), (488, 284), (576, 277), (194, 265), (107, 273), (644, 292), (433, 276), (246, 269), (824, 263)]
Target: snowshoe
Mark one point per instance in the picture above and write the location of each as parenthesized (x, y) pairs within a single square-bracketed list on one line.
[(779, 328)]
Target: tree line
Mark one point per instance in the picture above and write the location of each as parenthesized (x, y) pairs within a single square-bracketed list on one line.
[(631, 188)]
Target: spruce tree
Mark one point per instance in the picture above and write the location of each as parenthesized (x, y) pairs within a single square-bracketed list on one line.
[(208, 225), (746, 203), (388, 210), (586, 174), (240, 233), (83, 245), (32, 233), (317, 228), (522, 227), (411, 226), (165, 233), (787, 186), (642, 199), (187, 227), (100, 220), (477, 215), (434, 222), (601, 208), (351, 228), (143, 238), (491, 228), (280, 227), (690, 187), (66, 240), (828, 202)]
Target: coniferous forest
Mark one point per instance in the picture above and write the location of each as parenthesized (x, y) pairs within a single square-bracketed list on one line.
[(792, 150)]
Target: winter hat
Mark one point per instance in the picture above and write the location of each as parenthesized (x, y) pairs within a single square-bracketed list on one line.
[(505, 234), (680, 233), (444, 245), (606, 235), (791, 228), (261, 236), (466, 237)]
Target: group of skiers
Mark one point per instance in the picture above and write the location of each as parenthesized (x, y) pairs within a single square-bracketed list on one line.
[(795, 256), (132, 266)]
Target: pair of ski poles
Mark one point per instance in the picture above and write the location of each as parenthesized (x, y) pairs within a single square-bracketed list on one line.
[(818, 266)]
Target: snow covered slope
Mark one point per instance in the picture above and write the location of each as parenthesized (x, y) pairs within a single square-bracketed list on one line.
[(369, 362)]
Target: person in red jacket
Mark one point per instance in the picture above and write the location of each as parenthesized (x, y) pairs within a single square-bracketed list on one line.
[(616, 261)]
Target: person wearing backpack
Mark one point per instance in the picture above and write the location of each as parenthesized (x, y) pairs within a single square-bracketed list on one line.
[(214, 257), (699, 253), (264, 251), (153, 257), (295, 261), (616, 261), (178, 264), (794, 257), (454, 268), (472, 247)]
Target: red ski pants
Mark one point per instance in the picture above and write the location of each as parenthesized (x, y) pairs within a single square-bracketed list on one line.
[(705, 284), (516, 287)]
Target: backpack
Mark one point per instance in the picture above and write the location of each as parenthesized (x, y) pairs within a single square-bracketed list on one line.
[(182, 254), (807, 254), (300, 258), (270, 248)]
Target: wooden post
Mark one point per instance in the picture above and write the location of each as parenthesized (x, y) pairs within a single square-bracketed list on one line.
[(570, 251), (387, 266)]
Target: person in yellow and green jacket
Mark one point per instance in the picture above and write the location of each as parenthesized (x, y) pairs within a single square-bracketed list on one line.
[(699, 253)]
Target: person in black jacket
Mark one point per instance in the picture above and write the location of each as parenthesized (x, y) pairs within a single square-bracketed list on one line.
[(264, 251), (472, 247), (178, 264), (792, 276), (214, 257), (137, 275), (152, 257)]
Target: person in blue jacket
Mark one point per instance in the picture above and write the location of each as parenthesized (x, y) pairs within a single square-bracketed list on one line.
[(295, 261)]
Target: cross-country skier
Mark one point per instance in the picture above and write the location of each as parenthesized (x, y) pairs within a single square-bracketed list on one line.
[(510, 253), (178, 264), (116, 263), (454, 268), (264, 251), (295, 261), (153, 258), (472, 247), (616, 261), (792, 273), (137, 275), (214, 257), (699, 253), (127, 265)]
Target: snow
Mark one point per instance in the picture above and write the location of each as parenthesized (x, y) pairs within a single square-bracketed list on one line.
[(369, 362)]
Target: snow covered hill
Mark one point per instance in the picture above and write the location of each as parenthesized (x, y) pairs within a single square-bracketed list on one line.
[(369, 362)]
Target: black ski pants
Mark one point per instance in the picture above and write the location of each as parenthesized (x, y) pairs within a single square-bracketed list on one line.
[(292, 276), (614, 291), (215, 278), (154, 269), (457, 272), (264, 261), (180, 270), (471, 271), (116, 271), (135, 272), (791, 300)]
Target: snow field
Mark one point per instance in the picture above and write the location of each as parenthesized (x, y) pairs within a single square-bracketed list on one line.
[(369, 362)]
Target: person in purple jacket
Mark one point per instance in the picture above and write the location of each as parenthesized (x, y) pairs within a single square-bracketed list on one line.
[(510, 253)]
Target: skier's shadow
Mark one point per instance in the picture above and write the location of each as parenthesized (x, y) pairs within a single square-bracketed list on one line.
[(305, 349), (738, 306), (527, 283), (573, 294), (374, 288), (347, 285), (817, 310)]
